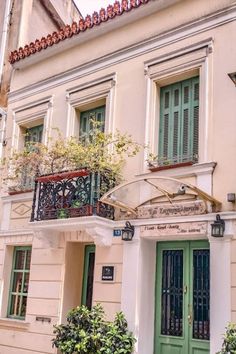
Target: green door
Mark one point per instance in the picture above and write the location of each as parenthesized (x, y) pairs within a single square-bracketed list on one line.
[(182, 322), (88, 276)]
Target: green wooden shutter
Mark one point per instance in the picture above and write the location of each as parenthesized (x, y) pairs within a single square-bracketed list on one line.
[(97, 114), (179, 116), (34, 134), (176, 125), (164, 123), (195, 118), (186, 139)]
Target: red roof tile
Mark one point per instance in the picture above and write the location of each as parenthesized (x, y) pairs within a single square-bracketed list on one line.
[(117, 9)]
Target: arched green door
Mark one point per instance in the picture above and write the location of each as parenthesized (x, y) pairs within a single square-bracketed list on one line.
[(182, 322)]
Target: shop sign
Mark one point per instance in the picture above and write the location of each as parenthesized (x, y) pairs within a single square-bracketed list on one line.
[(168, 210), (177, 229), (108, 273)]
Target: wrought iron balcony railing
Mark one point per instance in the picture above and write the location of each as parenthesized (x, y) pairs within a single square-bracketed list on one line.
[(70, 194)]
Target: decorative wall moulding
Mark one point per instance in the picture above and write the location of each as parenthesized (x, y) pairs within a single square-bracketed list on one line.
[(20, 210)]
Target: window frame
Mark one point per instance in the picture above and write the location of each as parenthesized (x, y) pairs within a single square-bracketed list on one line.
[(13, 272), (169, 68), (89, 95), (172, 148), (28, 116)]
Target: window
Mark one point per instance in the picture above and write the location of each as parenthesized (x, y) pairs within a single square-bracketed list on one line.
[(19, 282), (34, 134), (92, 96), (96, 114), (179, 122)]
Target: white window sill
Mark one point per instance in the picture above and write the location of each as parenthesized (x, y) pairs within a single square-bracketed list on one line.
[(202, 171), (188, 171), (13, 323)]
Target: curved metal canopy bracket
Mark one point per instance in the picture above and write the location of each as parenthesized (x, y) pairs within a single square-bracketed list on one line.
[(139, 191)]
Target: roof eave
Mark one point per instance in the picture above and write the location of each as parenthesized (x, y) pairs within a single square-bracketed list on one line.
[(96, 31)]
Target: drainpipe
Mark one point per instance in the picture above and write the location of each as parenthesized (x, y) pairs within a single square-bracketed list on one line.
[(7, 16), (3, 118)]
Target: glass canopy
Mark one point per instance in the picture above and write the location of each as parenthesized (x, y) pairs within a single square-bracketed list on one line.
[(151, 190)]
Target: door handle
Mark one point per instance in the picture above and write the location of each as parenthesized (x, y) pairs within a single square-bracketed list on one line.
[(189, 315)]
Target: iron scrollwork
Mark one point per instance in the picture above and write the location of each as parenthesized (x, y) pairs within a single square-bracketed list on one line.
[(72, 196)]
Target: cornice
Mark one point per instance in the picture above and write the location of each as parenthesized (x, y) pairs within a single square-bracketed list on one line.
[(89, 28), (22, 197), (146, 46)]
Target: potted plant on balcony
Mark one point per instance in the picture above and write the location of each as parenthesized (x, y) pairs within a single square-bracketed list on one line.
[(96, 153), (156, 163)]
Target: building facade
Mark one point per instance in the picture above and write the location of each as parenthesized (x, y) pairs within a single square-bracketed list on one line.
[(21, 22), (160, 72)]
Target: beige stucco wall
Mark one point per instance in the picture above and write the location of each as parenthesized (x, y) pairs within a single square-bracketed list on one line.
[(39, 18), (161, 22), (130, 99), (2, 12), (109, 293), (47, 294), (233, 279), (55, 288)]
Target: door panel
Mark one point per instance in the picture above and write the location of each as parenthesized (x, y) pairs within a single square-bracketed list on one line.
[(182, 298), (171, 349), (88, 276), (199, 329), (172, 293)]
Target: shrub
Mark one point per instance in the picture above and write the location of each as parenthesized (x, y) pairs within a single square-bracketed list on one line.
[(87, 332), (229, 342)]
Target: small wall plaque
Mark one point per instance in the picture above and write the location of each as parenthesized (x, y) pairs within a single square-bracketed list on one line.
[(108, 273), (117, 232), (43, 319)]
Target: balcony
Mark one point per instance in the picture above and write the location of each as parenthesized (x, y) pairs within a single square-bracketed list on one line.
[(69, 195)]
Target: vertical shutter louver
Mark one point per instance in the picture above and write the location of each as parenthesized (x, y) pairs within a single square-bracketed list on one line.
[(195, 118), (186, 124), (165, 136), (175, 135), (176, 114), (185, 134), (164, 125)]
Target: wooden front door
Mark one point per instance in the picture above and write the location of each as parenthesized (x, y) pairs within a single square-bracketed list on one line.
[(182, 322)]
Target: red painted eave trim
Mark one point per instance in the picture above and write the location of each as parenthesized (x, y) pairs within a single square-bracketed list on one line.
[(71, 40)]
